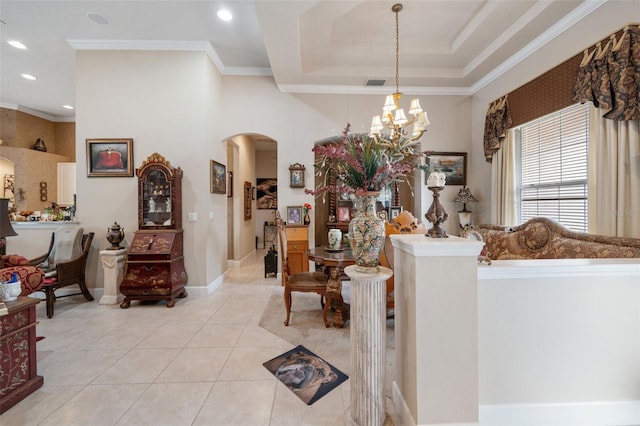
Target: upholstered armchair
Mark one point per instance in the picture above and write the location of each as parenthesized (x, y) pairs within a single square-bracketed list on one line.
[(31, 278)]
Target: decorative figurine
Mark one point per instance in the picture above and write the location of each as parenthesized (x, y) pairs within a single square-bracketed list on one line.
[(436, 213)]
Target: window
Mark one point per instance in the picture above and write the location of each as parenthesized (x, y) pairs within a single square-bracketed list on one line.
[(551, 156)]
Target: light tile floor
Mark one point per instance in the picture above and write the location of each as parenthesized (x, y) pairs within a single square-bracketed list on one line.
[(199, 363)]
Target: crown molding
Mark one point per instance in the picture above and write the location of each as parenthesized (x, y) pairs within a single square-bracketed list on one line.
[(556, 29), (371, 90), (39, 114), (170, 45)]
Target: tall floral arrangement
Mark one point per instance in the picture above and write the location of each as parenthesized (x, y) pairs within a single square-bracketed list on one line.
[(364, 163)]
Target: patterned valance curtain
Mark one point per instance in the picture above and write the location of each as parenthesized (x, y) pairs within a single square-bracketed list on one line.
[(497, 123), (609, 76)]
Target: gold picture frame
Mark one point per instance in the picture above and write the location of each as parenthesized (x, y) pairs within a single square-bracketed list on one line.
[(109, 157), (247, 200), (218, 176)]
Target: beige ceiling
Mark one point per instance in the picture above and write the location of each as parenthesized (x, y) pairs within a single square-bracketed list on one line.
[(446, 47)]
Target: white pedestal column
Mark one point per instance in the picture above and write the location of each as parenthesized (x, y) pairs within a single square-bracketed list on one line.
[(436, 330), (113, 263), (368, 345)]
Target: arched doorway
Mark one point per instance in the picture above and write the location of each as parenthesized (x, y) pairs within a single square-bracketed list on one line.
[(251, 159)]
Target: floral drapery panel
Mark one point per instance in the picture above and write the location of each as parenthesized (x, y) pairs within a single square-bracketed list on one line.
[(497, 123), (609, 76)]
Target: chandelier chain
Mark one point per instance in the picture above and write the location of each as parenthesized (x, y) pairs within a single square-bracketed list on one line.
[(397, 52)]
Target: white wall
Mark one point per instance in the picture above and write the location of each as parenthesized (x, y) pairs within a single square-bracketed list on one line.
[(168, 103), (559, 342), (607, 19)]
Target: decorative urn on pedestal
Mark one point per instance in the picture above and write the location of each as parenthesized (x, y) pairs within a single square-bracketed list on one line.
[(115, 235), (360, 166), (366, 234)]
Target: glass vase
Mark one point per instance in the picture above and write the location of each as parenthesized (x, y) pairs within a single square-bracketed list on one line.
[(366, 234)]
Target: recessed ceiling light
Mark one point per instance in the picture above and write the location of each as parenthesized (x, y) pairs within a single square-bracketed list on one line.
[(225, 15), (17, 44), (28, 76), (98, 19), (67, 106)]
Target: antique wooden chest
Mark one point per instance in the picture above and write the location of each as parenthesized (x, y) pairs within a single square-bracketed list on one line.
[(155, 267)]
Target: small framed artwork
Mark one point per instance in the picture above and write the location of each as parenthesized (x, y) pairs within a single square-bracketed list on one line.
[(229, 184), (297, 175), (344, 214), (294, 215), (218, 176), (109, 157), (452, 164), (247, 201), (394, 211)]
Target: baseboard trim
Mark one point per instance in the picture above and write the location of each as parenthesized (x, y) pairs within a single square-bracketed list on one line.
[(193, 291), (400, 405), (597, 413)]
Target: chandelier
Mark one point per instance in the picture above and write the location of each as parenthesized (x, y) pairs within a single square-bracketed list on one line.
[(393, 117)]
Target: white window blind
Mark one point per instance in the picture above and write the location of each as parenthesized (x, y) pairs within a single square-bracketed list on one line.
[(552, 158)]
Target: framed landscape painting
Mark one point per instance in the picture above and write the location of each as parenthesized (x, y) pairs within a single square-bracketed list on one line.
[(452, 164)]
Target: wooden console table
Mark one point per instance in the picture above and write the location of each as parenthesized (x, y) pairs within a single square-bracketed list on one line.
[(19, 372)]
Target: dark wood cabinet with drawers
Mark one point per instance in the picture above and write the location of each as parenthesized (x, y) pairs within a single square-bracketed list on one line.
[(18, 365), (155, 267), (155, 261)]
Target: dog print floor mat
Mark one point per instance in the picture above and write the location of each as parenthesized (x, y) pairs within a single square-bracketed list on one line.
[(305, 374)]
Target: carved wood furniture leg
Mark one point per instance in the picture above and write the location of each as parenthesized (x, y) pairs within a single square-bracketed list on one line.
[(85, 291), (287, 304), (334, 297), (325, 310)]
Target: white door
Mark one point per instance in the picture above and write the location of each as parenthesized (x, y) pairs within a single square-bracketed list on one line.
[(66, 183)]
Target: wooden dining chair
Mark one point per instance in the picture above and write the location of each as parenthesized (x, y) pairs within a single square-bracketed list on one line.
[(306, 282)]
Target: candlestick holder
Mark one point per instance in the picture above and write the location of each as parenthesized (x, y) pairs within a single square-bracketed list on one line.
[(436, 215)]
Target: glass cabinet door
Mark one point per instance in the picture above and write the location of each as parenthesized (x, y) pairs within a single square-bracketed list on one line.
[(157, 199)]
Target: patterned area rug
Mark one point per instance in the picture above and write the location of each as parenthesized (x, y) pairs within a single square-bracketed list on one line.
[(306, 328)]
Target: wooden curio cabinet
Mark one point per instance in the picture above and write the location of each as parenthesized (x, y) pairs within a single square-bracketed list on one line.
[(155, 261)]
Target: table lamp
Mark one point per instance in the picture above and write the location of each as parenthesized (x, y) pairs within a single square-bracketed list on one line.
[(6, 230), (464, 215)]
